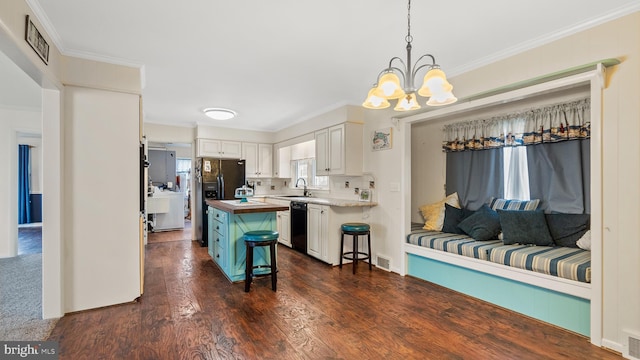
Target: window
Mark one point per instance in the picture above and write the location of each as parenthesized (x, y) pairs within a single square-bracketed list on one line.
[(516, 173), (306, 169)]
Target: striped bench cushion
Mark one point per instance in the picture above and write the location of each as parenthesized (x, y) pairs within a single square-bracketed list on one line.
[(452, 243), (564, 262)]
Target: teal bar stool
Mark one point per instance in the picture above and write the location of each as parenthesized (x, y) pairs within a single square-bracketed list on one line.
[(355, 230), (253, 239)]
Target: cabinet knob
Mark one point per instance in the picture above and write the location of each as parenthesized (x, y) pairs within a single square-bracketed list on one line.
[(217, 215), (218, 239), (217, 227), (218, 256)]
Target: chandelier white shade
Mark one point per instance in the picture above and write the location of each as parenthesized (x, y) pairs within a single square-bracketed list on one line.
[(388, 86)]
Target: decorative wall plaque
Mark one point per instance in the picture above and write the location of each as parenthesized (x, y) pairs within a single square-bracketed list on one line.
[(37, 41)]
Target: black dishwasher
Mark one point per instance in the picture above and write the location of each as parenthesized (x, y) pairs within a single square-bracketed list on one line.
[(299, 226)]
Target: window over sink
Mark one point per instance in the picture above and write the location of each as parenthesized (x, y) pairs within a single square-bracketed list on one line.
[(306, 169)]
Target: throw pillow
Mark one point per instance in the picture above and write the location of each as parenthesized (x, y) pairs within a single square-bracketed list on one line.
[(585, 241), (524, 227), (434, 213), (567, 229), (484, 224), (452, 217), (506, 204)]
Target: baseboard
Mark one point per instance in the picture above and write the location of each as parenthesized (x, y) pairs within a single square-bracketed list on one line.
[(612, 345)]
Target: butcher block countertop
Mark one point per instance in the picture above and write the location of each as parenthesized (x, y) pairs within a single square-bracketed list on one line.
[(237, 207)]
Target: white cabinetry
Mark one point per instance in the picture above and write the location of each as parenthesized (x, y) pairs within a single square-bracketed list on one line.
[(317, 231), (259, 159), (339, 150), (323, 231), (283, 222), (219, 148), (281, 161)]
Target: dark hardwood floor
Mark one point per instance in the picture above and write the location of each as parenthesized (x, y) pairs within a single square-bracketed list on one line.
[(174, 235), (191, 311)]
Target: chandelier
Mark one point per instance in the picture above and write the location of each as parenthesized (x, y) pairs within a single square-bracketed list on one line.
[(434, 86)]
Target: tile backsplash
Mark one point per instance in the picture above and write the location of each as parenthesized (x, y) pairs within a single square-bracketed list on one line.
[(340, 187)]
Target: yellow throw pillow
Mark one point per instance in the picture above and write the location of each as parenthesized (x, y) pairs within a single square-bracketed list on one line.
[(434, 213)]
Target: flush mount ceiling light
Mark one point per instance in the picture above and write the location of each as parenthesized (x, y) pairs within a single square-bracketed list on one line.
[(434, 86), (219, 113)]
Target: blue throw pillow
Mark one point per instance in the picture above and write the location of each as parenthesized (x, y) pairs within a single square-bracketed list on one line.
[(484, 224), (524, 227), (452, 217), (567, 229)]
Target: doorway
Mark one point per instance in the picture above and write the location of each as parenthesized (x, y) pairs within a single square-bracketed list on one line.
[(29, 193), (178, 192), (28, 96)]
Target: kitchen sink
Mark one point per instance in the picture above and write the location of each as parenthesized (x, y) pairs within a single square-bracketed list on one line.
[(292, 196)]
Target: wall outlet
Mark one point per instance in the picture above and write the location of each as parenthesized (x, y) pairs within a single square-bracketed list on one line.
[(372, 184), (259, 183), (346, 184), (356, 191), (273, 187)]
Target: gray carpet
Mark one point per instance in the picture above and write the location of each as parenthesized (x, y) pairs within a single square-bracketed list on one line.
[(21, 300)]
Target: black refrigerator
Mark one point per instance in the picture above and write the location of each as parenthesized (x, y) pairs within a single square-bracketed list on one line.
[(215, 179)]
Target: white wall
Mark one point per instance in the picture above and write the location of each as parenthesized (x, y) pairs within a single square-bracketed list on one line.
[(169, 134), (58, 249), (386, 167), (12, 122), (428, 166), (212, 132), (102, 204)]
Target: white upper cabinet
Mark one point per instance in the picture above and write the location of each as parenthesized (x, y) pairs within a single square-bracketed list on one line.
[(281, 161), (339, 150), (219, 149), (258, 159)]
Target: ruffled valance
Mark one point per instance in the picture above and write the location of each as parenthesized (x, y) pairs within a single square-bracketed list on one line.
[(551, 123)]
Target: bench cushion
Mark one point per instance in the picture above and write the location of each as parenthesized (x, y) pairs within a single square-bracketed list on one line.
[(568, 263), (452, 243)]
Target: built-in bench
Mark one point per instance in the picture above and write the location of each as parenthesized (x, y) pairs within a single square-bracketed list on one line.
[(548, 283)]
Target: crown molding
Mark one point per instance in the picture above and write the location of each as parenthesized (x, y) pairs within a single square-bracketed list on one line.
[(44, 20), (545, 39)]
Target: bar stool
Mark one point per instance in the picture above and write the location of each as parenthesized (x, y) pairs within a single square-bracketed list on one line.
[(355, 230), (253, 239)]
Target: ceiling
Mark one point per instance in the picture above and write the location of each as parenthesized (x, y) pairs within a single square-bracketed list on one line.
[(281, 62)]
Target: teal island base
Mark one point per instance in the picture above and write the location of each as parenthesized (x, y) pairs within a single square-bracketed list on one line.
[(226, 245), (563, 310)]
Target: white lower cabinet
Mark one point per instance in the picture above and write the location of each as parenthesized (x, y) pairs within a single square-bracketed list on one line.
[(317, 231), (283, 221), (323, 231)]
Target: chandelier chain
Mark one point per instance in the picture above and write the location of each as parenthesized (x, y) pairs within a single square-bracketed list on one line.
[(409, 38)]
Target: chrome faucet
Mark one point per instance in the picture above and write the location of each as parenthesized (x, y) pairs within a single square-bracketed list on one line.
[(304, 193)]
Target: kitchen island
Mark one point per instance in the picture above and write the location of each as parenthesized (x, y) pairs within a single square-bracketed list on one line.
[(228, 221)]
